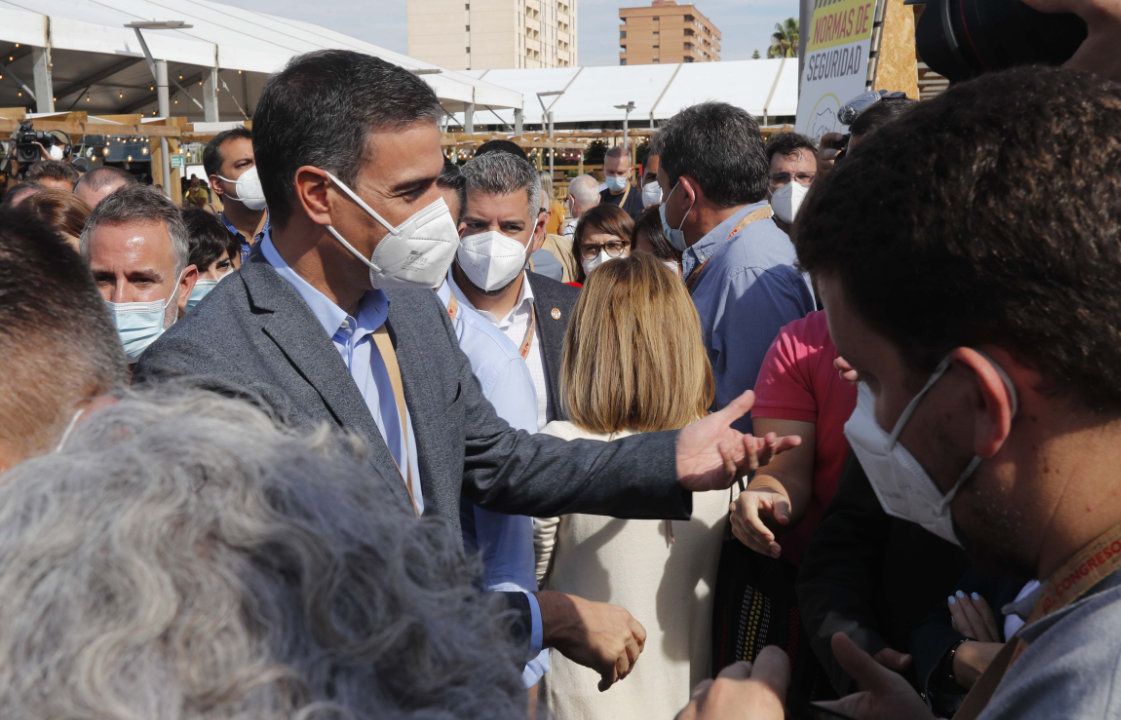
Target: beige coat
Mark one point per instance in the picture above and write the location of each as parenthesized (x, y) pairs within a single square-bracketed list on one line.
[(663, 572)]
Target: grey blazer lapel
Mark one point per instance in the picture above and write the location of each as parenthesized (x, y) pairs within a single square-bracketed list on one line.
[(288, 322)]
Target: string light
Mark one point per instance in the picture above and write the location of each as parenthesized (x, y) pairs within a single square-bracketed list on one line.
[(19, 94), (120, 95), (17, 46)]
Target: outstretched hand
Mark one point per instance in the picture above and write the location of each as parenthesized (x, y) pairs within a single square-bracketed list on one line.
[(711, 454), (884, 695), (752, 691)]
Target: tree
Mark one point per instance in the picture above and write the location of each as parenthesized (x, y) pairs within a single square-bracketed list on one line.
[(595, 153), (755, 54), (784, 40)]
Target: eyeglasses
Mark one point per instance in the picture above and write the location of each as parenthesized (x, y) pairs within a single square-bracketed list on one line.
[(615, 248), (804, 178)]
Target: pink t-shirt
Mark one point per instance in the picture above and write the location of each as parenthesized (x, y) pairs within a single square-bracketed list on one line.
[(798, 382)]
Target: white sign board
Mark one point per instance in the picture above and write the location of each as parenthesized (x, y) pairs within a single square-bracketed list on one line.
[(835, 69)]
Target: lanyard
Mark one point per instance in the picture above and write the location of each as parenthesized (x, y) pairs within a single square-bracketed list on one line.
[(531, 327), (389, 357), (527, 341), (1093, 563), (762, 213)]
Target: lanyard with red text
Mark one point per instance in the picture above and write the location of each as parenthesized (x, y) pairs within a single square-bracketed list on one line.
[(1093, 563), (762, 213)]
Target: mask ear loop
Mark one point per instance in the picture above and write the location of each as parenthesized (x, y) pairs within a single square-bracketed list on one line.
[(910, 409), (69, 429)]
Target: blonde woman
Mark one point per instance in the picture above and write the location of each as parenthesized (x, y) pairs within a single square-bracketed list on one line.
[(634, 362)]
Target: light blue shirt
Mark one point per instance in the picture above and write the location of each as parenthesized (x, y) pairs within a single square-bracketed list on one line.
[(747, 290), (246, 246), (353, 338), (505, 542)]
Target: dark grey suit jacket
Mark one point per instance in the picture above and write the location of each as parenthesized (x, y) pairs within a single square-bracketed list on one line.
[(553, 303), (254, 335)]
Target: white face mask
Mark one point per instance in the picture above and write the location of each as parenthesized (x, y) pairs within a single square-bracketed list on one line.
[(676, 235), (247, 189), (787, 199), (595, 262), (904, 488), (56, 152), (615, 183), (651, 194), (491, 260), (415, 254)]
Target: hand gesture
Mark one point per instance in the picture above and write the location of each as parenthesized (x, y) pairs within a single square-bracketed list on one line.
[(749, 515), (603, 637), (711, 455), (743, 690), (884, 695)]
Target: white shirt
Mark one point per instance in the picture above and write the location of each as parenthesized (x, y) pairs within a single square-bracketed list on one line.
[(514, 325)]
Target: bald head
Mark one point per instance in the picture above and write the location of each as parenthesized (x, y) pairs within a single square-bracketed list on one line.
[(584, 194), (100, 183)]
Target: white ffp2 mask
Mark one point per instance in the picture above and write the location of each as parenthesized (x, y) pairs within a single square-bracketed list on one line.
[(902, 485), (414, 254), (491, 260), (247, 189), (787, 199)]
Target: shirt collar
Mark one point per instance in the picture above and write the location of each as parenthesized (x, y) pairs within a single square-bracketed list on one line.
[(701, 251), (372, 309), (525, 300), (237, 233)]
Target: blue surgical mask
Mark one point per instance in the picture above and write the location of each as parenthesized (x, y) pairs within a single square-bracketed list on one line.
[(676, 235), (616, 183), (139, 323), (202, 289)]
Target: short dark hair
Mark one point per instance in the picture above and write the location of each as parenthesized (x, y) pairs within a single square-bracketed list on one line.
[(880, 114), (719, 146), (207, 238), (787, 143), (452, 178), (617, 151), (212, 153), (49, 309), (508, 146), (53, 170), (103, 175), (981, 219), (648, 228), (320, 111)]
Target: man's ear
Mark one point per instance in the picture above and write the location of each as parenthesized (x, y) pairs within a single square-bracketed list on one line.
[(995, 403), (186, 285), (538, 238), (312, 197), (691, 189)]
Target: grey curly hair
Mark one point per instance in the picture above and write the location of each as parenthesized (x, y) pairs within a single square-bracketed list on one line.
[(184, 557)]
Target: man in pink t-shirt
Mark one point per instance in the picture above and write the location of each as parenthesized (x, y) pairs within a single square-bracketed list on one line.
[(798, 392)]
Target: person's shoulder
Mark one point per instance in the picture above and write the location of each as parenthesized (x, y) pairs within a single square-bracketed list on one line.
[(566, 430), (811, 331), (1070, 668)]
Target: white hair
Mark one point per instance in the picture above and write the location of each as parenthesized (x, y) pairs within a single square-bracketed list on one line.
[(584, 189), (182, 558)]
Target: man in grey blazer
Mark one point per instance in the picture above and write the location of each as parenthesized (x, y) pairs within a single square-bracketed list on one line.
[(321, 324)]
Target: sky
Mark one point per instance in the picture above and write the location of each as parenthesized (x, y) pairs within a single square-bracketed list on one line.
[(745, 25)]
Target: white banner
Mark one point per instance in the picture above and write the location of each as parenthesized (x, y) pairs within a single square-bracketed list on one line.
[(835, 69)]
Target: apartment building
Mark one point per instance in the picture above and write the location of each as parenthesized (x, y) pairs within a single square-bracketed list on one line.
[(492, 34), (665, 32)]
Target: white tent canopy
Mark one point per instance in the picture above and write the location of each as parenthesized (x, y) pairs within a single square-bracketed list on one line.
[(589, 95), (98, 64)]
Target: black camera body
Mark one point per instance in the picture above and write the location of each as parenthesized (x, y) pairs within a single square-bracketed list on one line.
[(26, 137), (960, 39)]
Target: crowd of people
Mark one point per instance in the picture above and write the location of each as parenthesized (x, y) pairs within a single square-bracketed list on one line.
[(750, 429)]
